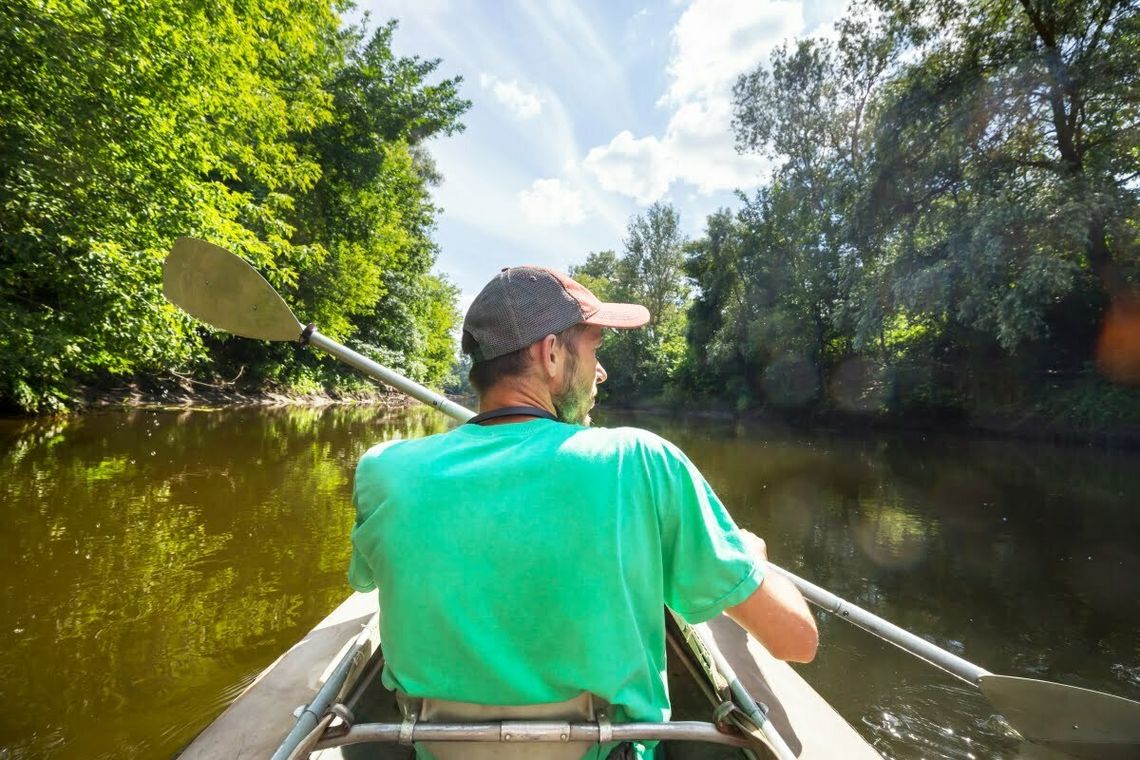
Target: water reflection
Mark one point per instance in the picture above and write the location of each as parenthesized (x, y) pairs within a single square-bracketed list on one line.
[(154, 562), (1024, 559), (158, 560)]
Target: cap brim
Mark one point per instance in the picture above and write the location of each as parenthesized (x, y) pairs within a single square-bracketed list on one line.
[(620, 316)]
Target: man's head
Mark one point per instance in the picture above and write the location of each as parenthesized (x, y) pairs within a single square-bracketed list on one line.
[(536, 332)]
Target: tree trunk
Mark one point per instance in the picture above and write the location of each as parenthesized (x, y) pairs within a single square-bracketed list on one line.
[(1065, 100), (1101, 261)]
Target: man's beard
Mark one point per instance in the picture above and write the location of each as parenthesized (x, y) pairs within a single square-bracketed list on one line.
[(572, 404)]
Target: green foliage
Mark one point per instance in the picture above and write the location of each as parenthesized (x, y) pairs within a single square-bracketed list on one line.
[(261, 126), (1005, 173), (411, 328), (1089, 401), (641, 363), (599, 274), (953, 203), (720, 361)]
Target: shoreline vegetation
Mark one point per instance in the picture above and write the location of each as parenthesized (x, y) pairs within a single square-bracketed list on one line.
[(947, 236), (1025, 426), (294, 139)]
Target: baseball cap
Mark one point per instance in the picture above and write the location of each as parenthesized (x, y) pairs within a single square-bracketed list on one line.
[(524, 304)]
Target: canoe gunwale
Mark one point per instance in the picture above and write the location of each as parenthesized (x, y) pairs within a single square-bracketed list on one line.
[(255, 724), (337, 682)]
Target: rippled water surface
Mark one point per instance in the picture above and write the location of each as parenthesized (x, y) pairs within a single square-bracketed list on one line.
[(153, 562)]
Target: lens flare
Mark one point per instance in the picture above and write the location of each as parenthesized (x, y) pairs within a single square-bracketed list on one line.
[(1118, 349)]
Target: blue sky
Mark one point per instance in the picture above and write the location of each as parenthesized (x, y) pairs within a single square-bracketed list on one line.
[(584, 113)]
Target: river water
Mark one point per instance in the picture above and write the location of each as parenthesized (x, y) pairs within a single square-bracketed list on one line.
[(152, 563)]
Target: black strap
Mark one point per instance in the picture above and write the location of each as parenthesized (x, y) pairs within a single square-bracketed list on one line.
[(623, 751), (512, 411)]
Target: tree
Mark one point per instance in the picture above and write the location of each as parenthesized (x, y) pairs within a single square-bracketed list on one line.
[(642, 362), (372, 211), (121, 127), (719, 316), (1007, 160), (954, 185), (653, 262), (601, 275), (611, 279), (809, 111), (260, 126), (653, 268)]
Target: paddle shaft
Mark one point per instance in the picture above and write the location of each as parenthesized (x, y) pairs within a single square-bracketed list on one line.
[(743, 699), (884, 629), (387, 376)]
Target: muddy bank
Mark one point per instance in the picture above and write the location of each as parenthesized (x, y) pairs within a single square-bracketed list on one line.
[(186, 394)]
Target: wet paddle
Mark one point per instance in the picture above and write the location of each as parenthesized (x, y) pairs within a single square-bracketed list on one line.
[(225, 292), (1080, 721)]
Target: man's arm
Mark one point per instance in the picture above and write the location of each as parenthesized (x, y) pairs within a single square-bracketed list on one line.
[(776, 614)]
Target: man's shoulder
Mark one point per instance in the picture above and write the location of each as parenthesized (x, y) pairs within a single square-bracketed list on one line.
[(590, 441), (625, 440), (386, 452)]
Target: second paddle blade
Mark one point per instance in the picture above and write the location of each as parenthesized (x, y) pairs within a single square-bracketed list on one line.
[(1081, 722), (225, 292)]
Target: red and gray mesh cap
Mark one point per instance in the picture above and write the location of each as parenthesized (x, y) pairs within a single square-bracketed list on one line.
[(525, 304)]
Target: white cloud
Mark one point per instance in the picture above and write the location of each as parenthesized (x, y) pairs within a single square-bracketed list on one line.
[(714, 41), (521, 102), (484, 228), (702, 148), (698, 148), (635, 167), (547, 202)]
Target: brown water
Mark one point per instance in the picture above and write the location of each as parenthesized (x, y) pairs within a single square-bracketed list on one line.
[(154, 562)]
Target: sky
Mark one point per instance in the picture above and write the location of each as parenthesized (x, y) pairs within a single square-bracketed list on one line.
[(585, 113)]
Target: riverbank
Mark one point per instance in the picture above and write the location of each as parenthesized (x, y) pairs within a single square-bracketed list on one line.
[(183, 393)]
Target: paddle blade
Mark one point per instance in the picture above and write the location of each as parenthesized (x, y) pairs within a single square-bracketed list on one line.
[(213, 285), (1081, 722)]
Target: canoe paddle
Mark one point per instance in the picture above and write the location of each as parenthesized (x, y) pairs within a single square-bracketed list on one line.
[(223, 291)]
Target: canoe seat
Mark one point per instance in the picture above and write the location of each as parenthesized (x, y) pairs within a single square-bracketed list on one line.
[(584, 707)]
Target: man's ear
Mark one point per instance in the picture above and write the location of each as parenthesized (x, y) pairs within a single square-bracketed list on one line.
[(548, 358)]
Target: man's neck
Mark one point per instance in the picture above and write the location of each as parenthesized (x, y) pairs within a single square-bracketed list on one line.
[(506, 395)]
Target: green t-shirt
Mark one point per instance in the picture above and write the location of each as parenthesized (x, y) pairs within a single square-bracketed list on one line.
[(526, 563)]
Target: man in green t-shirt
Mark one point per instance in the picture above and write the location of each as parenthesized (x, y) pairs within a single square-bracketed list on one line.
[(524, 557)]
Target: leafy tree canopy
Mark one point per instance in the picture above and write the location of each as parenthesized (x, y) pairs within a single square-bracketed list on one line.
[(950, 224), (263, 126)]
